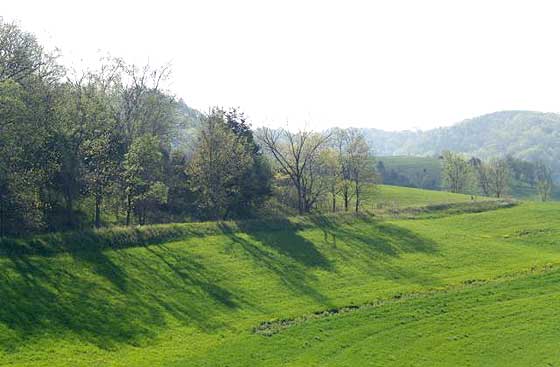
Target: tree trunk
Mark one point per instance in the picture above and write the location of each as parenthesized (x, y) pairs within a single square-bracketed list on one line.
[(300, 200), (69, 211), (357, 198), (334, 203), (98, 210), (1, 217), (128, 209), (117, 211)]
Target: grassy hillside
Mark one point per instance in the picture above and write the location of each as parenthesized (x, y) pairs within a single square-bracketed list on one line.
[(425, 172), (196, 300), (527, 135), (422, 172), (379, 198), (382, 196), (502, 323)]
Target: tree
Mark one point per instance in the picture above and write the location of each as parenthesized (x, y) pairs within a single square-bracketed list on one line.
[(360, 165), (255, 184), (297, 156), (101, 161), (543, 179), (28, 89), (21, 55), (143, 107), (456, 172), (482, 175), (89, 146), (220, 162), (498, 177), (143, 167), (332, 172), (102, 150), (342, 143), (381, 171)]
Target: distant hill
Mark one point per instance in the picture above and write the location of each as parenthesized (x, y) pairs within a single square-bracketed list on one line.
[(190, 120), (523, 134)]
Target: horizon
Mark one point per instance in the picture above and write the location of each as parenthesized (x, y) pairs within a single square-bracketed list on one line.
[(394, 67)]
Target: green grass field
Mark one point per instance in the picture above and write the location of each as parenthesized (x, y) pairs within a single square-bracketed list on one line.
[(380, 196), (474, 289)]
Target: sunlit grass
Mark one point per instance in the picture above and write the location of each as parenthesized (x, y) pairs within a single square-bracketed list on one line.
[(196, 301)]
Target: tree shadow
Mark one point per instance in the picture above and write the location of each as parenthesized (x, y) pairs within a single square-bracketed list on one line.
[(108, 298), (376, 237), (377, 244), (193, 274), (284, 238), (294, 274), (89, 294)]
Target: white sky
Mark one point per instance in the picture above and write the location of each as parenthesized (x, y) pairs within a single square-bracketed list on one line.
[(386, 64)]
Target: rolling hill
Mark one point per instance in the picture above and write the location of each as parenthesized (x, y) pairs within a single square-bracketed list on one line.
[(523, 134), (425, 172), (465, 288)]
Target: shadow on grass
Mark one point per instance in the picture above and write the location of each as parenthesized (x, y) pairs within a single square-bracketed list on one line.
[(282, 236), (286, 239), (373, 236), (294, 275), (379, 244), (109, 298), (368, 245), (90, 295)]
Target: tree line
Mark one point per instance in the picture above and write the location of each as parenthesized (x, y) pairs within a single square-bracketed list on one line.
[(493, 178), (110, 146)]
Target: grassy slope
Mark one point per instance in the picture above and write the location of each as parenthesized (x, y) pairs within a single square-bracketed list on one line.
[(195, 301), (399, 197), (412, 166), (504, 323), (381, 197)]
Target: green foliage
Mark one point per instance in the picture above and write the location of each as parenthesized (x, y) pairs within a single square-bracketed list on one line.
[(413, 171), (22, 56), (457, 173), (143, 176), (543, 178), (498, 177), (78, 150), (526, 135), (297, 160), (221, 162), (255, 186), (28, 155)]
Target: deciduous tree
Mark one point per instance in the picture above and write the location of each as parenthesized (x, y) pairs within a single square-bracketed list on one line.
[(456, 172), (220, 162), (297, 156), (544, 182)]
